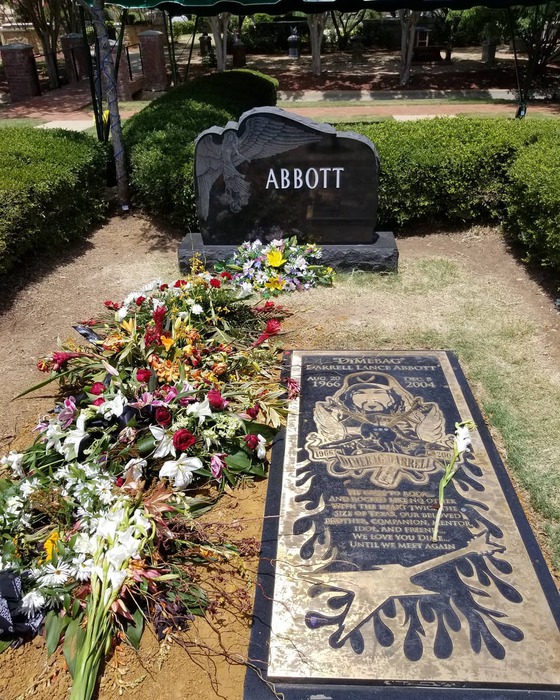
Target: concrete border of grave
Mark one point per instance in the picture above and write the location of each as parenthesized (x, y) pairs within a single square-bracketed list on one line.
[(275, 174)]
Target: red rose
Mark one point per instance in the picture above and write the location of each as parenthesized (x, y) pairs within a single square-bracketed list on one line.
[(98, 401), (253, 412), (215, 283), (163, 416), (119, 481), (97, 388), (251, 441), (180, 283), (226, 275), (163, 287), (113, 305), (183, 439), (140, 300), (143, 375), (216, 400)]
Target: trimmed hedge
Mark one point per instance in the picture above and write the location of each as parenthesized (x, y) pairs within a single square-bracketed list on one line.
[(451, 170), (160, 138), (533, 202), (51, 189)]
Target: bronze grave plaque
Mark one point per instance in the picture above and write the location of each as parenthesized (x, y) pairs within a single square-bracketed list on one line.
[(355, 598)]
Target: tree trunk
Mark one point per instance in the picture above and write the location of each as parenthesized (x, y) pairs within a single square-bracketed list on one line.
[(219, 25), (50, 62), (316, 24), (409, 20), (107, 69)]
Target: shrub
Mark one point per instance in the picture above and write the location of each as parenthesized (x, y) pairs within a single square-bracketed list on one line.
[(160, 139), (51, 189), (451, 170), (533, 201)]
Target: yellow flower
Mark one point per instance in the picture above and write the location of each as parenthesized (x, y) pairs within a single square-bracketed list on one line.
[(167, 342), (129, 326), (50, 544), (274, 258), (274, 283)]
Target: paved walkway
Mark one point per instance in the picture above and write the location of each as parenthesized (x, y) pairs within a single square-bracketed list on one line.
[(70, 106)]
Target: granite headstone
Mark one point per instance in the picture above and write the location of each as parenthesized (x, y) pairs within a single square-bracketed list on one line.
[(274, 174), (356, 599)]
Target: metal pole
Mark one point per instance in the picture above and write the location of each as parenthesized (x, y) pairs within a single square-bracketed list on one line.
[(192, 47), (96, 106), (522, 106), (170, 46), (119, 45)]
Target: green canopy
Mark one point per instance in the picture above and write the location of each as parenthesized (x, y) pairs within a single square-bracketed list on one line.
[(279, 7)]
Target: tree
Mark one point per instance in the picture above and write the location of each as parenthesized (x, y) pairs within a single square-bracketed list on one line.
[(447, 24), (539, 29), (46, 19), (219, 26), (409, 20), (316, 24), (344, 24), (107, 70)]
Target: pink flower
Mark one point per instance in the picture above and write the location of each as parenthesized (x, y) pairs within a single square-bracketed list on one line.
[(59, 359), (293, 388), (97, 388), (216, 400), (98, 401), (217, 464), (66, 416)]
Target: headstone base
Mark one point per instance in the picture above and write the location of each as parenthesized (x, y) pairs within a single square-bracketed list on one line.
[(380, 256)]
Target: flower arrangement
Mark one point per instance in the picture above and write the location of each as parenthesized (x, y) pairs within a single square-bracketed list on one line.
[(175, 391), (283, 265)]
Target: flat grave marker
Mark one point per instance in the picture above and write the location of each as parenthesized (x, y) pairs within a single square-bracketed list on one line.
[(355, 598)]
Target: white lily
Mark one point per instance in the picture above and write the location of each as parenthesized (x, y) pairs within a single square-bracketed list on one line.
[(54, 435), (462, 438), (180, 471), (261, 447), (200, 409), (74, 438), (115, 407), (135, 467), (165, 442), (14, 461)]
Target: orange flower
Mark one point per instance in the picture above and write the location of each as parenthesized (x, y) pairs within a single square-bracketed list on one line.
[(167, 342)]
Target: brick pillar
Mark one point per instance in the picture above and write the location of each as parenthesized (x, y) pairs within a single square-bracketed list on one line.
[(153, 60), (75, 57), (124, 83), (21, 71)]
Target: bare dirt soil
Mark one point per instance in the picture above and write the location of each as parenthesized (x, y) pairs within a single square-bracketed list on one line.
[(40, 302)]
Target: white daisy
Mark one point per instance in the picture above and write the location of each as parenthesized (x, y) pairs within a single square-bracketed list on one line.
[(55, 575)]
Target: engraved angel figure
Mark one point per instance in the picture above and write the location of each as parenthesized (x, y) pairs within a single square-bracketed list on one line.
[(257, 136)]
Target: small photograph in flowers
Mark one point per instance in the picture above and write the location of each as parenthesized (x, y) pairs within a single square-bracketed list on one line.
[(283, 265)]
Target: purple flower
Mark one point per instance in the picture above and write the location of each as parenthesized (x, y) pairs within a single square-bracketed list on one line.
[(66, 415), (217, 464)]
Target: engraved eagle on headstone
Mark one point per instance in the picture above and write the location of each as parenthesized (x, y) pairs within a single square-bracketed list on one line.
[(261, 137)]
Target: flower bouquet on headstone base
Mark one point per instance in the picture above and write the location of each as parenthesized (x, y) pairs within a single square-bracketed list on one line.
[(283, 265)]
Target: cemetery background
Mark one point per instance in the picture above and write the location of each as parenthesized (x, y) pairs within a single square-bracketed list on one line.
[(465, 291)]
